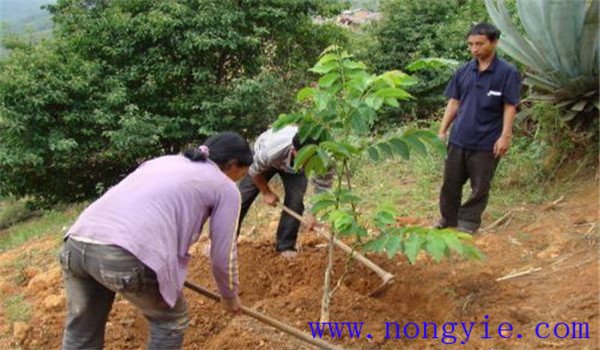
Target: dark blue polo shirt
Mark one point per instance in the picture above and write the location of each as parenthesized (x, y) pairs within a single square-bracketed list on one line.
[(482, 96)]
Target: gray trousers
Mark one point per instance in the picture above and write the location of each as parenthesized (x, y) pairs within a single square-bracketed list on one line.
[(93, 273), (294, 186), (462, 165)]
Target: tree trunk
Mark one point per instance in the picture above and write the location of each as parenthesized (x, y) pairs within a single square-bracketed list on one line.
[(327, 281)]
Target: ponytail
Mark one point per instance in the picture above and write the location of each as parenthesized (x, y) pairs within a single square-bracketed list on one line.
[(199, 154), (222, 149)]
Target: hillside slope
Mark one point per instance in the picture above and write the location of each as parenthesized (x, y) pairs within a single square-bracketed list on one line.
[(558, 242)]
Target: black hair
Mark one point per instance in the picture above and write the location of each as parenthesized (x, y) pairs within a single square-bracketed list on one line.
[(486, 29), (223, 148), (298, 144)]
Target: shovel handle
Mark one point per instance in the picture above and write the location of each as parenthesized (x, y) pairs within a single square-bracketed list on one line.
[(384, 275), (321, 344)]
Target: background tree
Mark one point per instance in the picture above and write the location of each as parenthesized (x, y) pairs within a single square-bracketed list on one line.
[(410, 30), (126, 80)]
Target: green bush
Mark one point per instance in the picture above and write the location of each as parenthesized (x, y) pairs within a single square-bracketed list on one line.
[(410, 30), (542, 146), (126, 80)]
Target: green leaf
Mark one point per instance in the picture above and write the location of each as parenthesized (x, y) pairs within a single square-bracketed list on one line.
[(321, 100), (304, 155), (328, 80), (390, 101), (374, 101), (398, 93), (438, 145), (325, 158), (285, 119), (407, 80), (460, 235), (367, 113), (412, 247), (378, 244), (316, 132), (322, 196), (453, 242), (305, 130), (392, 246), (324, 68), (359, 231), (373, 154), (385, 218), (359, 80), (396, 78), (386, 148), (336, 148), (328, 57), (400, 147), (354, 65), (359, 121), (305, 93), (389, 80), (415, 144), (315, 166), (348, 197), (310, 131), (350, 148), (341, 220), (322, 205), (436, 247)]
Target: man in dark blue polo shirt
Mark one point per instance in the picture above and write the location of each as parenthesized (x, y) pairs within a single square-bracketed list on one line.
[(483, 95)]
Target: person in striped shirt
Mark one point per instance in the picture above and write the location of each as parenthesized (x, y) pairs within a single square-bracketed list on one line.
[(134, 240), (274, 152)]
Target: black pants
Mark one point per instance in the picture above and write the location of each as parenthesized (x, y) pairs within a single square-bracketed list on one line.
[(294, 186), (462, 164)]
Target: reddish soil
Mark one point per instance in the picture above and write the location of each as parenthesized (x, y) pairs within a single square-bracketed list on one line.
[(562, 240)]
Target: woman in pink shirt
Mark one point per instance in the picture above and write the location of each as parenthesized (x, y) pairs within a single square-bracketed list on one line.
[(135, 239)]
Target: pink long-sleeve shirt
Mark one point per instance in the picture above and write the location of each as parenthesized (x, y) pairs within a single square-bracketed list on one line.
[(158, 211)]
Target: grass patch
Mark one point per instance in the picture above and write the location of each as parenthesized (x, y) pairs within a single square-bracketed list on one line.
[(13, 211), (52, 222), (17, 309)]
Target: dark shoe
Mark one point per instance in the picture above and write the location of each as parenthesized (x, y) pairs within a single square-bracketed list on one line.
[(467, 227), (440, 225), (470, 231)]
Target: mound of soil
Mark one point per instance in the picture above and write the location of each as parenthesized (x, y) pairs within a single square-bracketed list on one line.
[(556, 245)]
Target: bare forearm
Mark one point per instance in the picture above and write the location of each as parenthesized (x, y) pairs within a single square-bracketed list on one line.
[(262, 184), (510, 112), (449, 115)]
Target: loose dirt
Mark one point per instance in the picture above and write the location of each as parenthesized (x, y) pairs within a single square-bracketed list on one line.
[(562, 240)]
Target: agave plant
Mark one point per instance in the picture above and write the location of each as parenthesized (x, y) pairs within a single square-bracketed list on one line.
[(559, 50)]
